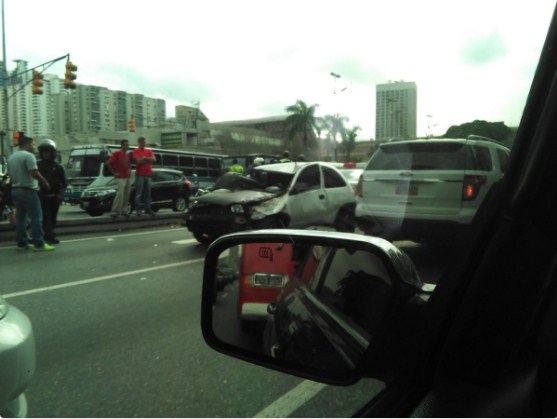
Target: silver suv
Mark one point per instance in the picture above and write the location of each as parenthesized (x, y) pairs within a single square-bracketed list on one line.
[(427, 189)]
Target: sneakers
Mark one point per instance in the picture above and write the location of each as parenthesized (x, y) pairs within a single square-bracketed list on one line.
[(28, 246), (44, 248)]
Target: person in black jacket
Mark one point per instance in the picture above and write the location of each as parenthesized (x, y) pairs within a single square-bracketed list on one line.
[(51, 199)]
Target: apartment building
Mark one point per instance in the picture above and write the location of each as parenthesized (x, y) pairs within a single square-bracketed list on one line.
[(396, 110)]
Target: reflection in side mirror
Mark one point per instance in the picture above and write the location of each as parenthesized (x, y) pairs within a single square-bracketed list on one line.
[(299, 301)]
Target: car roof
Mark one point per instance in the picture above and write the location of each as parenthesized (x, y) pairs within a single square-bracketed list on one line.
[(289, 167), (472, 139)]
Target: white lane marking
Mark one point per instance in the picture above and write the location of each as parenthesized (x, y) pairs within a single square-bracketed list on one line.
[(291, 401), (110, 237), (186, 241), (99, 278)]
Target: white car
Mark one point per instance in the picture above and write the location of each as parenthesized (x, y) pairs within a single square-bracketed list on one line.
[(17, 359), (293, 194), (427, 189)]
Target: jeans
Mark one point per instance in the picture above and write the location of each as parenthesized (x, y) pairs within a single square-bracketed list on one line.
[(28, 208), (120, 203), (143, 193)]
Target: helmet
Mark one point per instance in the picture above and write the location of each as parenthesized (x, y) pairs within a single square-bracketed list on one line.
[(258, 161), (301, 157), (47, 144)]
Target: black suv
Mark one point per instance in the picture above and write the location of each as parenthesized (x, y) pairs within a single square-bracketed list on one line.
[(170, 189)]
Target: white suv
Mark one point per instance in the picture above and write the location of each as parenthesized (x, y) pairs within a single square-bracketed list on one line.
[(427, 189)]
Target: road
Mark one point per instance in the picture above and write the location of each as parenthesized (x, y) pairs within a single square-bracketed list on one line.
[(116, 319)]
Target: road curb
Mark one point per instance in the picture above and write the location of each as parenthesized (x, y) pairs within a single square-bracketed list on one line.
[(106, 223)]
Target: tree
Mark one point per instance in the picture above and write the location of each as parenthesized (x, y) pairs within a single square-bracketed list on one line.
[(301, 121), (349, 141), (496, 130), (335, 125)]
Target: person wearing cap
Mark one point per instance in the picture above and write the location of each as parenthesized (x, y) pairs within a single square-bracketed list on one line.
[(25, 177)]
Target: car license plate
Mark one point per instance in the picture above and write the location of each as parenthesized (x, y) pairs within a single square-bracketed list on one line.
[(406, 188)]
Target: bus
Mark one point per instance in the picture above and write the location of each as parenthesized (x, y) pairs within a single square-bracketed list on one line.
[(87, 167)]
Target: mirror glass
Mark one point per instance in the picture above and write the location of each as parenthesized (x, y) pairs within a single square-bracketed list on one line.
[(311, 305)]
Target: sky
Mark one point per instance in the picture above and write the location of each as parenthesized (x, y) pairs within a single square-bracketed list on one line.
[(244, 59)]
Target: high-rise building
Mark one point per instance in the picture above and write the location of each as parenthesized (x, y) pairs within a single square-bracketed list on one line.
[(86, 110), (396, 110)]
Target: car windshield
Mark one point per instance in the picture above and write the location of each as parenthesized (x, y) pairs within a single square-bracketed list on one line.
[(395, 88)]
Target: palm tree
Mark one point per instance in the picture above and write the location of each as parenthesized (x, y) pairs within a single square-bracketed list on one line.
[(349, 141), (335, 125), (301, 120)]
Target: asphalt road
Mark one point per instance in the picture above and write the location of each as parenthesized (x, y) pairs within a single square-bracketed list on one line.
[(116, 319)]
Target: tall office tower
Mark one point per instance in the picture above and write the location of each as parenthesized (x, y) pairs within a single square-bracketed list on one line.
[(395, 110)]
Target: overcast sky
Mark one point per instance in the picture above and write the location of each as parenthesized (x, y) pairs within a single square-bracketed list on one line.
[(250, 59)]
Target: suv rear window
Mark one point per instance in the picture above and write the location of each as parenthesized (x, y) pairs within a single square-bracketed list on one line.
[(430, 156)]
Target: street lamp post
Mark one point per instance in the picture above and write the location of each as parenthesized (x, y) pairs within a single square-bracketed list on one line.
[(6, 121)]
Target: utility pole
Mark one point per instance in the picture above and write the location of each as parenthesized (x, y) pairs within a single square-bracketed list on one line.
[(5, 121)]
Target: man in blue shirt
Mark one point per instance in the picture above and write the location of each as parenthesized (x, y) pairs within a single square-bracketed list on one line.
[(25, 178)]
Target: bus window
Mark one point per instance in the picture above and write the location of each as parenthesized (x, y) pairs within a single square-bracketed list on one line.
[(159, 159), (200, 162), (186, 161), (215, 164), (170, 161)]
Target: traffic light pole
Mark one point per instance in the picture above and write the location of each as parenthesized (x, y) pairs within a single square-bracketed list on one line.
[(4, 88)]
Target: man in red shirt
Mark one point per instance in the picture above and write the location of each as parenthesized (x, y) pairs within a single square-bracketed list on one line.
[(119, 163), (144, 159)]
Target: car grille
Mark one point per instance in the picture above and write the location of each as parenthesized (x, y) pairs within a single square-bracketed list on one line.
[(208, 210)]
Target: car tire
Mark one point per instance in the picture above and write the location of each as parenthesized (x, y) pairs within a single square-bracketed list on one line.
[(346, 220), (180, 204), (95, 212), (203, 238)]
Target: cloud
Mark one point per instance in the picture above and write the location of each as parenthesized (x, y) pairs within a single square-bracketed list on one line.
[(484, 50)]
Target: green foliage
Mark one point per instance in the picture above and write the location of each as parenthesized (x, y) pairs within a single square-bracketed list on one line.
[(349, 141), (301, 120), (496, 130)]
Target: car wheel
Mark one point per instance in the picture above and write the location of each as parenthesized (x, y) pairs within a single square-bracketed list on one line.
[(95, 212), (346, 220), (203, 238), (179, 204)]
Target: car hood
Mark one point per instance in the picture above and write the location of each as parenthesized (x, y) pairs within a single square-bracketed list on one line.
[(226, 197)]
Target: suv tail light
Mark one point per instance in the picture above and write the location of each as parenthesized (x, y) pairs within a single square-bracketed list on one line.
[(471, 187), (359, 191)]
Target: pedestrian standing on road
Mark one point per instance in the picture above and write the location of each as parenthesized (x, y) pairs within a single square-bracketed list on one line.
[(51, 198), (285, 157), (144, 159), (25, 177), (236, 167), (120, 165)]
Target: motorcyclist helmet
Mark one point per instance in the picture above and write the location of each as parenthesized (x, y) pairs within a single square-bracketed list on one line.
[(47, 144), (258, 161)]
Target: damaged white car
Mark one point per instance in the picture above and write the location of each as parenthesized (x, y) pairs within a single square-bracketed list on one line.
[(293, 195)]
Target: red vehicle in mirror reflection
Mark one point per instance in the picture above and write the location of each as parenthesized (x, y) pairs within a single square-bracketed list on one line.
[(264, 269)]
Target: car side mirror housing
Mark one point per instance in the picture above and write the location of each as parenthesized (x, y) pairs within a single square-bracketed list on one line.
[(325, 306)]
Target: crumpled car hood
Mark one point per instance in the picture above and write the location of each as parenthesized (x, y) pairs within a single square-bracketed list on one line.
[(227, 197)]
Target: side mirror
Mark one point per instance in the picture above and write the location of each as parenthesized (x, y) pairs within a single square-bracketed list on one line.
[(319, 305)]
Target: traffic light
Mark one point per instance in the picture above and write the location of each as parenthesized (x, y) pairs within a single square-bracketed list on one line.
[(70, 76), (16, 137), (131, 125), (37, 83)]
